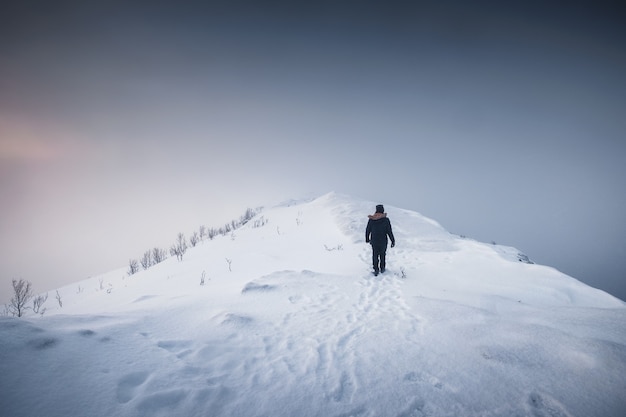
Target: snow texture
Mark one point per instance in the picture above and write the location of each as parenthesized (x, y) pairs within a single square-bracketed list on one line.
[(296, 325)]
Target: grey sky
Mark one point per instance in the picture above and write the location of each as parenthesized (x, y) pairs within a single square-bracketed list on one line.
[(122, 125)]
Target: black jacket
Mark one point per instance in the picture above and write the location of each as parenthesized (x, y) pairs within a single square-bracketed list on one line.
[(377, 231)]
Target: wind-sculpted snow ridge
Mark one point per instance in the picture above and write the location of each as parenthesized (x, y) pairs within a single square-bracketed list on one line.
[(296, 325)]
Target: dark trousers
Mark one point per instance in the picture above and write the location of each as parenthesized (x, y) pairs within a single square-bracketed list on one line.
[(378, 257)]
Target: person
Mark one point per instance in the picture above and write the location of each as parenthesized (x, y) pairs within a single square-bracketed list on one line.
[(376, 232)]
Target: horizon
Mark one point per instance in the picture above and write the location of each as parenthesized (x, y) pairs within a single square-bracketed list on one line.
[(224, 229)]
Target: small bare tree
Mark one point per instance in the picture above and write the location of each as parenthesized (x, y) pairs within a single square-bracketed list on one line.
[(158, 255), (133, 267), (224, 230), (230, 262), (146, 260), (22, 293), (194, 239), (58, 297), (247, 216), (180, 247), (202, 232)]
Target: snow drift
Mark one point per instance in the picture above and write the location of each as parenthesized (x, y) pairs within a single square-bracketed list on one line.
[(291, 322)]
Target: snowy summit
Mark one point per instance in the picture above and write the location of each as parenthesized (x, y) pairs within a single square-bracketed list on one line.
[(283, 317)]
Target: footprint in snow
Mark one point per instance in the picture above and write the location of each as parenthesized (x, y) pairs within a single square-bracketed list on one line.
[(128, 384), (174, 346), (237, 320), (415, 409), (299, 298), (157, 401), (544, 406), (418, 377), (344, 390), (180, 348)]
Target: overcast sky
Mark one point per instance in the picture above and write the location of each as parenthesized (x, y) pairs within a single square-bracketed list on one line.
[(122, 124)]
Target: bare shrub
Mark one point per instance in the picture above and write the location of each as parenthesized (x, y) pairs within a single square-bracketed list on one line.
[(22, 293), (58, 297), (180, 247), (194, 239), (245, 217), (261, 221), (224, 230), (158, 255), (146, 260), (133, 267), (38, 303)]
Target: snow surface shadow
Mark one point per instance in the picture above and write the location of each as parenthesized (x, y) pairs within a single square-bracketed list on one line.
[(180, 348), (237, 320), (42, 343), (174, 345), (256, 287), (128, 384), (7, 324), (158, 401), (144, 298)]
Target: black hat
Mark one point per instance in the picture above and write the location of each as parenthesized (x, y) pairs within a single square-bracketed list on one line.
[(380, 208)]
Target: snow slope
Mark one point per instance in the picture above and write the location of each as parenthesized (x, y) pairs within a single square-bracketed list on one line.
[(294, 324)]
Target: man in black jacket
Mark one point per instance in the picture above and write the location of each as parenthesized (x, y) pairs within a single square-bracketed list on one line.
[(376, 232)]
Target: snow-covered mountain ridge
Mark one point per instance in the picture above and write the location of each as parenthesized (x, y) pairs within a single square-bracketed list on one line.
[(290, 321)]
